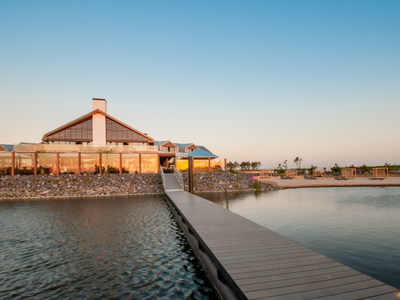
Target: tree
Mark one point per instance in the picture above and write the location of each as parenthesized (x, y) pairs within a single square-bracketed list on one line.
[(365, 169), (284, 164), (245, 166), (255, 165), (312, 168), (296, 161), (232, 166), (336, 169)]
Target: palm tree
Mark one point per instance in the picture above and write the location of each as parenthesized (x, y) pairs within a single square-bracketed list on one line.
[(300, 161), (296, 161)]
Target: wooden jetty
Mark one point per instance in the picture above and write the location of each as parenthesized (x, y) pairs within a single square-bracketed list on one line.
[(245, 260)]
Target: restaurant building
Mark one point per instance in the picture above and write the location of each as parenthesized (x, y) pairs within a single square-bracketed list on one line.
[(97, 143)]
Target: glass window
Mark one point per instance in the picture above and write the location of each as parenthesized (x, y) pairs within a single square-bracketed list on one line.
[(217, 165), (46, 163), (200, 165), (150, 163), (130, 163), (24, 163), (110, 163), (182, 165), (69, 163), (5, 163), (90, 163)]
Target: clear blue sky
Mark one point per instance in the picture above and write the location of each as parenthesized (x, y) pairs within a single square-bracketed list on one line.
[(251, 80)]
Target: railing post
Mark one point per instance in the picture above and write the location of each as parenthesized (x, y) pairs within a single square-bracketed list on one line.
[(35, 163), (209, 165), (58, 163), (120, 163), (100, 163), (140, 163), (12, 162), (79, 163)]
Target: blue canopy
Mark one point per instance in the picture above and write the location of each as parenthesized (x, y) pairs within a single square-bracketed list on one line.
[(198, 153)]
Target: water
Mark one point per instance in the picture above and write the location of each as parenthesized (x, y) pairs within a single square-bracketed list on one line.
[(115, 248), (357, 226)]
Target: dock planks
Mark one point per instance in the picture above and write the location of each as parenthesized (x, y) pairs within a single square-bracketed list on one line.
[(258, 263)]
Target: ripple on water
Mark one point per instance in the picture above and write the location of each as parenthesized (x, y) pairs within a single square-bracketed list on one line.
[(120, 248)]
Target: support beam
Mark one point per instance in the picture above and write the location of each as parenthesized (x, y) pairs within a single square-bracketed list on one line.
[(12, 163), (79, 164), (58, 163), (35, 163), (120, 163)]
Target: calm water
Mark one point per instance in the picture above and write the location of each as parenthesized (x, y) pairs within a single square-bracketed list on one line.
[(357, 226), (116, 248)]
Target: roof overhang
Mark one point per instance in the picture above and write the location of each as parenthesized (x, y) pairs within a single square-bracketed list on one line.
[(89, 116)]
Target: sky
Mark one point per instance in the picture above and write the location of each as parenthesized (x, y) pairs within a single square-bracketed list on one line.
[(250, 80)]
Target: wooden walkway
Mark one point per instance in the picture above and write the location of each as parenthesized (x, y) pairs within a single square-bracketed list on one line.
[(251, 262)]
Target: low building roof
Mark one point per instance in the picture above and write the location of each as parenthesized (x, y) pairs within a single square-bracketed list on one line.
[(6, 147), (199, 153)]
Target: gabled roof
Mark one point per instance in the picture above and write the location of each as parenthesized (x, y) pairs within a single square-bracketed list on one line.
[(88, 116), (165, 144), (6, 147), (181, 146), (201, 154)]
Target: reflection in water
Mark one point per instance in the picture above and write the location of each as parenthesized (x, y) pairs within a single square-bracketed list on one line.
[(358, 226), (127, 248)]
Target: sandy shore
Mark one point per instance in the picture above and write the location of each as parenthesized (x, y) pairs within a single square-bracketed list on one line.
[(300, 182)]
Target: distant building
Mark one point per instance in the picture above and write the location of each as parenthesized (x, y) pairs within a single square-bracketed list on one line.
[(97, 128), (96, 143)]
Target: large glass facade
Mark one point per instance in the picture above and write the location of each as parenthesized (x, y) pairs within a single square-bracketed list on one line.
[(46, 163), (182, 165), (130, 163), (69, 163), (217, 165), (5, 163), (200, 165), (90, 163), (150, 163), (24, 163), (110, 163)]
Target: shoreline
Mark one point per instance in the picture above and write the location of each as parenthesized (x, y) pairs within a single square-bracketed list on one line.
[(301, 182), (71, 186)]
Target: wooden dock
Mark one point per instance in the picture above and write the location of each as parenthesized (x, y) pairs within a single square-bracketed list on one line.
[(245, 260)]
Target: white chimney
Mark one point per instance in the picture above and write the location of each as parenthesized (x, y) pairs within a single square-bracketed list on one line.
[(99, 104), (99, 122)]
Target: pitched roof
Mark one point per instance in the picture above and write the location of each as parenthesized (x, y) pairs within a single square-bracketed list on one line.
[(6, 147), (165, 144), (199, 153), (181, 146), (88, 116)]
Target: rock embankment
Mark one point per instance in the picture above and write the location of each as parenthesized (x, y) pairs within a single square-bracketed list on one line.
[(90, 185), (225, 182)]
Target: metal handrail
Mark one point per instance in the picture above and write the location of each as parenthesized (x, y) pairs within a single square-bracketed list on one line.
[(162, 176), (178, 176)]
